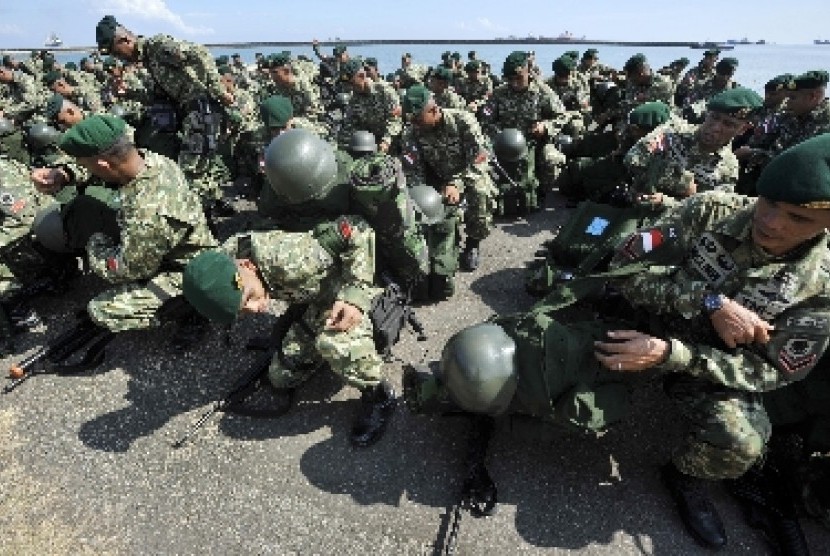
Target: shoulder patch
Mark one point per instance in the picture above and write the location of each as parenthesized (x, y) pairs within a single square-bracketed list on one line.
[(798, 354), (345, 228)]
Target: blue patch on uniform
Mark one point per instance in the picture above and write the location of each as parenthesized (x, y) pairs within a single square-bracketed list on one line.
[(597, 226)]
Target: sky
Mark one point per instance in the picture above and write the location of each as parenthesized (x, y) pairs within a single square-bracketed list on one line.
[(26, 23)]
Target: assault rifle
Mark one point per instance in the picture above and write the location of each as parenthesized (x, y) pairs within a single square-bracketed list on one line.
[(55, 357), (252, 379), (390, 312)]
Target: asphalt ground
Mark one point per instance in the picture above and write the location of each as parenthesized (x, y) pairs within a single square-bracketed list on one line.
[(88, 466)]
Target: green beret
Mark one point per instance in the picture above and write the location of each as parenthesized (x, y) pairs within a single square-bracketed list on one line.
[(109, 63), (105, 33), (71, 66), (738, 102), (456, 55), (726, 65), (442, 73), (350, 68), (339, 49), (92, 135), (514, 62), (53, 107), (446, 55), (471, 55), (371, 61), (222, 60), (800, 175), (224, 69), (406, 55), (415, 100), (276, 111), (472, 65), (811, 80), (279, 59), (564, 65), (712, 52), (635, 63), (51, 77), (211, 284), (649, 115), (235, 55), (683, 62), (573, 54), (783, 81), (591, 53)]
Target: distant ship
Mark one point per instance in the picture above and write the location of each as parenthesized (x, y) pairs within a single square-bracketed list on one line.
[(819, 41), (53, 40), (708, 45)]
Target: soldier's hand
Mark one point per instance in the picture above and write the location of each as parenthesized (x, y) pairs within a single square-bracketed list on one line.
[(49, 180), (227, 99), (383, 147), (538, 130), (630, 350), (655, 199), (343, 317), (451, 194), (736, 325)]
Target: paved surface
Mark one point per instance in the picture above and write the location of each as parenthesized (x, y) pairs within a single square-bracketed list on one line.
[(88, 465)]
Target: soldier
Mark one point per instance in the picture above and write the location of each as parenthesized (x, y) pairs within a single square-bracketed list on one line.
[(574, 93), (476, 88), (160, 227), (304, 95), (700, 93), (704, 71), (443, 94), (57, 83), (643, 85), (591, 69), (186, 84), (807, 112), (446, 149), (372, 107), (527, 104), (22, 98), (411, 74), (679, 163)]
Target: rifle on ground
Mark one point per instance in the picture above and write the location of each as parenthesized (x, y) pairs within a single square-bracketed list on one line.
[(478, 492), (390, 312), (252, 379), (54, 357)]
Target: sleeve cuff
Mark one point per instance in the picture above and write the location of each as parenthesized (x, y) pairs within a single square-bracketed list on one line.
[(357, 296), (680, 357)]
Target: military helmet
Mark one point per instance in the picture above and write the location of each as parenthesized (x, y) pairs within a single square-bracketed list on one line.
[(300, 166), (42, 135), (342, 99), (428, 203), (510, 145), (48, 229), (479, 368), (362, 142), (6, 126), (604, 86)]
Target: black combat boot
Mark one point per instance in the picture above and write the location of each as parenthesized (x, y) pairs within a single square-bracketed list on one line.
[(376, 408), (696, 509), (469, 257)]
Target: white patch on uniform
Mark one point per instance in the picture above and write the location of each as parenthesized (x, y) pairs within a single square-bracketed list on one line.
[(711, 260), (812, 322)]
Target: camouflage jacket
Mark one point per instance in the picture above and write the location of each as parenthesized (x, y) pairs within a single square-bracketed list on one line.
[(335, 261), (450, 99), (453, 152), (695, 76), (184, 71), (22, 98), (575, 94), (162, 225), (702, 92), (303, 94), (669, 160), (19, 201), (659, 88), (792, 292), (596, 71), (793, 129), (412, 75), (522, 109), (377, 111), (475, 91)]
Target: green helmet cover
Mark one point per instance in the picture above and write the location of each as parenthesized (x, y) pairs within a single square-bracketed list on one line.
[(479, 369), (362, 142), (428, 203), (41, 135), (510, 145), (300, 166)]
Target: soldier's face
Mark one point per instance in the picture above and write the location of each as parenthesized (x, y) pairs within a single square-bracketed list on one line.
[(283, 75), (520, 80), (227, 82), (781, 227), (805, 100), (62, 87), (360, 82), (255, 297), (719, 129), (775, 98)]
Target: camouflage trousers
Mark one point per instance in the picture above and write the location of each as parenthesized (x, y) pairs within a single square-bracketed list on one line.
[(308, 345), (549, 164), (727, 430), (480, 193), (134, 306), (203, 166)]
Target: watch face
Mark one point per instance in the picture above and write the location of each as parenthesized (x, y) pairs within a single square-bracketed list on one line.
[(712, 302)]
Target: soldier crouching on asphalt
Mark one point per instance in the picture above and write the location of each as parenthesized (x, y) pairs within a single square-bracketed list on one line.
[(326, 273), (160, 227), (736, 307)]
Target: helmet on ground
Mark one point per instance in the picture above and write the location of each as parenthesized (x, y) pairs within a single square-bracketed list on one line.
[(48, 229), (428, 203), (42, 135), (300, 166), (479, 369), (510, 145), (362, 142)]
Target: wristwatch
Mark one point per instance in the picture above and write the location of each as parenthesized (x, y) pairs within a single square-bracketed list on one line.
[(712, 302)]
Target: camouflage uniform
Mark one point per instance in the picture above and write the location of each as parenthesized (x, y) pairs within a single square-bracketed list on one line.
[(658, 88), (412, 75), (377, 111), (474, 91), (448, 98), (719, 390), (575, 94), (162, 227), (303, 94), (302, 267), (694, 77), (520, 110), (793, 129), (23, 99), (668, 161), (186, 73)]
